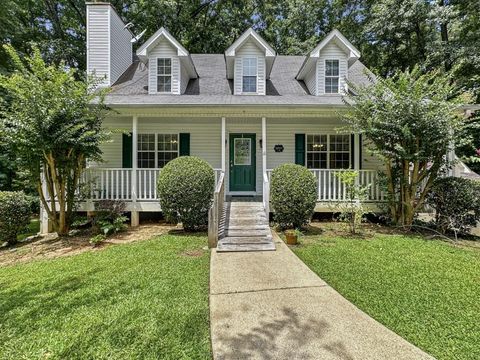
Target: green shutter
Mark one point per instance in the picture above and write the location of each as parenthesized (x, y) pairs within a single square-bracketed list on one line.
[(352, 151), (360, 147), (184, 144), (300, 149), (127, 150)]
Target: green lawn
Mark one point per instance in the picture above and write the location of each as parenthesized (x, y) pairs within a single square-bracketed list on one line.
[(426, 291), (144, 300)]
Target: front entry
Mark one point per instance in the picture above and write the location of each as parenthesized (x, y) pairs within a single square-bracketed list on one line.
[(242, 162)]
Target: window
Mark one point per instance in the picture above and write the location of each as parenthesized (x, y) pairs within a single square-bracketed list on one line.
[(167, 148), (146, 151), (249, 75), (164, 75), (156, 150), (332, 76), (328, 151)]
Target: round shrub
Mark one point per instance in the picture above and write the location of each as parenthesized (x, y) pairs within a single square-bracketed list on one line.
[(293, 194), (185, 189), (14, 215), (456, 202)]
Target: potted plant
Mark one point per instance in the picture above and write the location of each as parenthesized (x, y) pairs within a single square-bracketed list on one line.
[(292, 236)]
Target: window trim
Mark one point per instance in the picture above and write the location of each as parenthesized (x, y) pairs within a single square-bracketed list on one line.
[(328, 152), (156, 146), (256, 75), (157, 75), (325, 76)]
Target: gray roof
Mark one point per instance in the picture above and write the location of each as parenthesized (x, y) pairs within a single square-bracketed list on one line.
[(213, 88)]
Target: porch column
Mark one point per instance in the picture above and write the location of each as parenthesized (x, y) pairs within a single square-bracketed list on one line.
[(135, 219), (223, 143), (264, 145), (356, 153)]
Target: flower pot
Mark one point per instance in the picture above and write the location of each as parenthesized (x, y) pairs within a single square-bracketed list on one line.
[(291, 238)]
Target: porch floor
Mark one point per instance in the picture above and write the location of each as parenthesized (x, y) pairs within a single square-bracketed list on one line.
[(245, 227)]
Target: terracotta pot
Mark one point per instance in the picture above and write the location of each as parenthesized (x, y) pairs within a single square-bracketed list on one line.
[(291, 238)]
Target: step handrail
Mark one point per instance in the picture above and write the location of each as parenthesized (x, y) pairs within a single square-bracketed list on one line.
[(216, 211)]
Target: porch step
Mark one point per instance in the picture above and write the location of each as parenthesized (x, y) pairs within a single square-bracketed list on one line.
[(246, 228)]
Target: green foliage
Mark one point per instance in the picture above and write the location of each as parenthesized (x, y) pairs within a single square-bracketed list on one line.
[(351, 209), (14, 215), (109, 217), (97, 239), (410, 121), (456, 202), (293, 194), (49, 120), (185, 189)]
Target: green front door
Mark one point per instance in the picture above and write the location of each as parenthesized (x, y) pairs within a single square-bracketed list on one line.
[(242, 162)]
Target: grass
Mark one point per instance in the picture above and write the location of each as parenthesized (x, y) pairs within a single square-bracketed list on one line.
[(32, 229), (144, 300), (427, 291)]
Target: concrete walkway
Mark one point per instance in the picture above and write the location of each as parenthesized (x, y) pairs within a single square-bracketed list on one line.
[(270, 305)]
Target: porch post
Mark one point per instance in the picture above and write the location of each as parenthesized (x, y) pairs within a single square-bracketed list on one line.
[(356, 157), (264, 145), (223, 143), (134, 213)]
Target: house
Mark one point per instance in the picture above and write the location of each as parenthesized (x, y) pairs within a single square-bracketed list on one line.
[(245, 111)]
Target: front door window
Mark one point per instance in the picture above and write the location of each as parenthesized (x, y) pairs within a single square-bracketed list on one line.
[(242, 151)]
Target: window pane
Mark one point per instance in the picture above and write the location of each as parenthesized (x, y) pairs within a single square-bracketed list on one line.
[(339, 160), (249, 67), (249, 84), (167, 148), (331, 68), (164, 83), (164, 66)]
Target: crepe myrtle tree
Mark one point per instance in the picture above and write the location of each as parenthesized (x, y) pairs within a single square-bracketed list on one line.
[(410, 121), (53, 123)]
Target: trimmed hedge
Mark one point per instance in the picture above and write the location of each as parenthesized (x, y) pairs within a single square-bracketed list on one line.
[(185, 187), (14, 215), (293, 194), (456, 202)]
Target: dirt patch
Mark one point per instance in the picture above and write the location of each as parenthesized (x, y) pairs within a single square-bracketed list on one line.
[(193, 253), (52, 246)]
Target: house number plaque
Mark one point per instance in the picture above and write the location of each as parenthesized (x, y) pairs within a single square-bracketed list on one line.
[(278, 148)]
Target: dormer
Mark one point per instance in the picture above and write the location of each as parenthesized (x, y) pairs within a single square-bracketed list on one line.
[(249, 63), (170, 66), (325, 69)]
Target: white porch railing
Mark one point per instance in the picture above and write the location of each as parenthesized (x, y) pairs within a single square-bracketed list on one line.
[(216, 211), (330, 188), (116, 183), (266, 194)]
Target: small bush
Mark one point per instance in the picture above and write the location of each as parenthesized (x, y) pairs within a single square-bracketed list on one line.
[(293, 194), (14, 215), (456, 202), (97, 239), (185, 189), (109, 217), (34, 202)]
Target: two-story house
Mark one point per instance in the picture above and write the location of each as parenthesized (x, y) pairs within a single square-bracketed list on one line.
[(245, 111)]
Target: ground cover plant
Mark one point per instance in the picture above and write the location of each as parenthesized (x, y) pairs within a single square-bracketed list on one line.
[(147, 299), (426, 291)]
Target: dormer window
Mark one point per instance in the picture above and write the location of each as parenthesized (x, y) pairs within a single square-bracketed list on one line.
[(164, 75), (249, 75), (332, 76)]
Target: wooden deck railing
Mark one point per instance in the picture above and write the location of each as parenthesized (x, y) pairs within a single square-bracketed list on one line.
[(216, 211)]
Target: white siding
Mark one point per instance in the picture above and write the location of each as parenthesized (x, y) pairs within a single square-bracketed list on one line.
[(163, 50), (98, 49), (249, 49), (311, 80), (120, 47), (205, 135), (331, 52)]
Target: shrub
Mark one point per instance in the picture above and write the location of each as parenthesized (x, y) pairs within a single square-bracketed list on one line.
[(14, 215), (34, 202), (97, 239), (456, 202), (110, 217), (185, 188), (293, 194)]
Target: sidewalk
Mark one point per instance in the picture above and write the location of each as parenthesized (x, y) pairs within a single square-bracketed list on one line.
[(270, 305)]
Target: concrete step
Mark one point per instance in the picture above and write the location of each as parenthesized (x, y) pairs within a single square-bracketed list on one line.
[(246, 232), (245, 247)]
